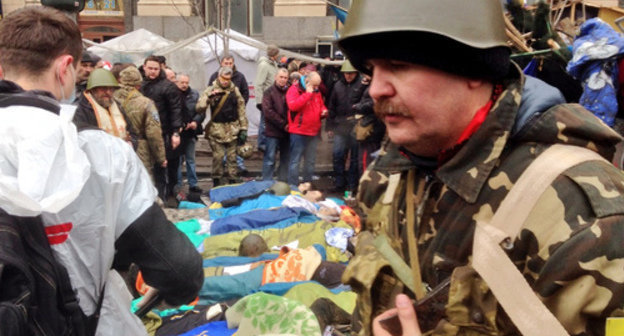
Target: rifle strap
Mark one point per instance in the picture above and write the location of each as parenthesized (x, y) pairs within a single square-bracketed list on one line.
[(217, 109), (522, 304), (411, 201)]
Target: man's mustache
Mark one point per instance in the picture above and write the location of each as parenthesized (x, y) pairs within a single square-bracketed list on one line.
[(384, 107)]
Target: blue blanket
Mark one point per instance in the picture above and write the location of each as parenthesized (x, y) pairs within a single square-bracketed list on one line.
[(217, 328), (221, 194), (264, 201), (255, 219), (595, 64)]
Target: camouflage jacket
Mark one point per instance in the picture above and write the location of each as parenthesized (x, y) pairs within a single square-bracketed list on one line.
[(223, 132), (144, 118), (569, 249)]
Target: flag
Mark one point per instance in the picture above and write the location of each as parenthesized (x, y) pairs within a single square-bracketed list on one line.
[(341, 14)]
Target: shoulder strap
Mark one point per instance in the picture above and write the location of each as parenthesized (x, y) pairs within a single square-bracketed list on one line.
[(217, 109), (221, 103), (522, 304)]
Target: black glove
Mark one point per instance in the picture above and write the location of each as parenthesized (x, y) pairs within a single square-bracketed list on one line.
[(259, 107), (242, 137)]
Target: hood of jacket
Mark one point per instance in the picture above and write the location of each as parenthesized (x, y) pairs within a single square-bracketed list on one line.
[(42, 168), (528, 111), (266, 59)]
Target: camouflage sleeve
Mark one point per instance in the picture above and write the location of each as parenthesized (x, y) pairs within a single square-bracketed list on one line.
[(573, 244), (153, 133), (242, 111), (202, 103)]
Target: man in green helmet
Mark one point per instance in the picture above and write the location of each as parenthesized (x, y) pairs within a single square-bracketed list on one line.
[(96, 107), (464, 125), (339, 125)]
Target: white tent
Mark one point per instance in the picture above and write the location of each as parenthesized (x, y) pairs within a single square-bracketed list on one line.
[(135, 46)]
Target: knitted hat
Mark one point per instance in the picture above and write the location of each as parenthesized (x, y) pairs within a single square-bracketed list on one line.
[(130, 76)]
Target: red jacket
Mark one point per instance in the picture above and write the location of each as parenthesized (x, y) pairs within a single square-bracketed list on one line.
[(305, 108)]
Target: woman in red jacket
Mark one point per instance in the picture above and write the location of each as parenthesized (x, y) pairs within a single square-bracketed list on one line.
[(306, 109)]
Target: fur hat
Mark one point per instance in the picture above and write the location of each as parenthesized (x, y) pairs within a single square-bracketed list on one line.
[(130, 76)]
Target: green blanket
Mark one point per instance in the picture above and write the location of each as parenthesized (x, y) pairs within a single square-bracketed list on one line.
[(307, 234), (261, 313)]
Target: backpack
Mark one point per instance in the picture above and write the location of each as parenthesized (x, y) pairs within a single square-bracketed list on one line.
[(36, 297)]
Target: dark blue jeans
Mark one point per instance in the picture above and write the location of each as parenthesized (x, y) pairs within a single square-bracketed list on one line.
[(268, 162), (188, 150), (345, 144), (302, 146)]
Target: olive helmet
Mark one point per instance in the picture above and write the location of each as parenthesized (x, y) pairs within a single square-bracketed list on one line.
[(101, 78), (280, 188), (347, 67), (245, 151), (461, 37)]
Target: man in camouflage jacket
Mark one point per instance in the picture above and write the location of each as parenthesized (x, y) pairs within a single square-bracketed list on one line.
[(466, 128), (228, 124), (143, 116)]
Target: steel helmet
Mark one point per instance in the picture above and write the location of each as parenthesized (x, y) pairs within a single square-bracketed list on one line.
[(101, 78), (347, 67), (436, 33), (244, 151)]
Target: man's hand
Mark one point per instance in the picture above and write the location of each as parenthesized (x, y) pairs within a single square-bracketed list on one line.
[(164, 164), (192, 125), (324, 113), (242, 137), (175, 140), (407, 316)]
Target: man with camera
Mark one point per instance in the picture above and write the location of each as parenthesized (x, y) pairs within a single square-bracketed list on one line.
[(228, 123)]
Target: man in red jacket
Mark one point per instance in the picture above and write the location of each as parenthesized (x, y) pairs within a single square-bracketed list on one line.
[(306, 109)]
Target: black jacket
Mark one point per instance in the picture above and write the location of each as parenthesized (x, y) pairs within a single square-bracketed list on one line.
[(239, 80), (189, 114), (168, 101), (363, 105), (341, 114), (275, 110)]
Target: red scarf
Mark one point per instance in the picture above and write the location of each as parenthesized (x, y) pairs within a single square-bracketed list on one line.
[(473, 126)]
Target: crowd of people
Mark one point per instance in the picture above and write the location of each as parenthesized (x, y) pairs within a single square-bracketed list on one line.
[(300, 99), (294, 99)]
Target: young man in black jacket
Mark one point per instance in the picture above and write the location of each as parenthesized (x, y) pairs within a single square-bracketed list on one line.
[(167, 98)]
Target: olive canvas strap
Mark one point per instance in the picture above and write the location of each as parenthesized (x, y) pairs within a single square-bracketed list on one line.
[(512, 291), (218, 108), (411, 201)]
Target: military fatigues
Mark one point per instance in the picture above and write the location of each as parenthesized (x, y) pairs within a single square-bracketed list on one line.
[(143, 117), (569, 249), (222, 131)]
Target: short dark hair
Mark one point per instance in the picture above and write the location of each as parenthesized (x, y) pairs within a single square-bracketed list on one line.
[(31, 38), (152, 58)]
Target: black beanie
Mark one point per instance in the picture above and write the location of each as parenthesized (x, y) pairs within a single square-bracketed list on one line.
[(428, 49)]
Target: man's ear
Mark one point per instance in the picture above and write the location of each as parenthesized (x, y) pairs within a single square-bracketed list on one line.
[(64, 66), (476, 83)]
